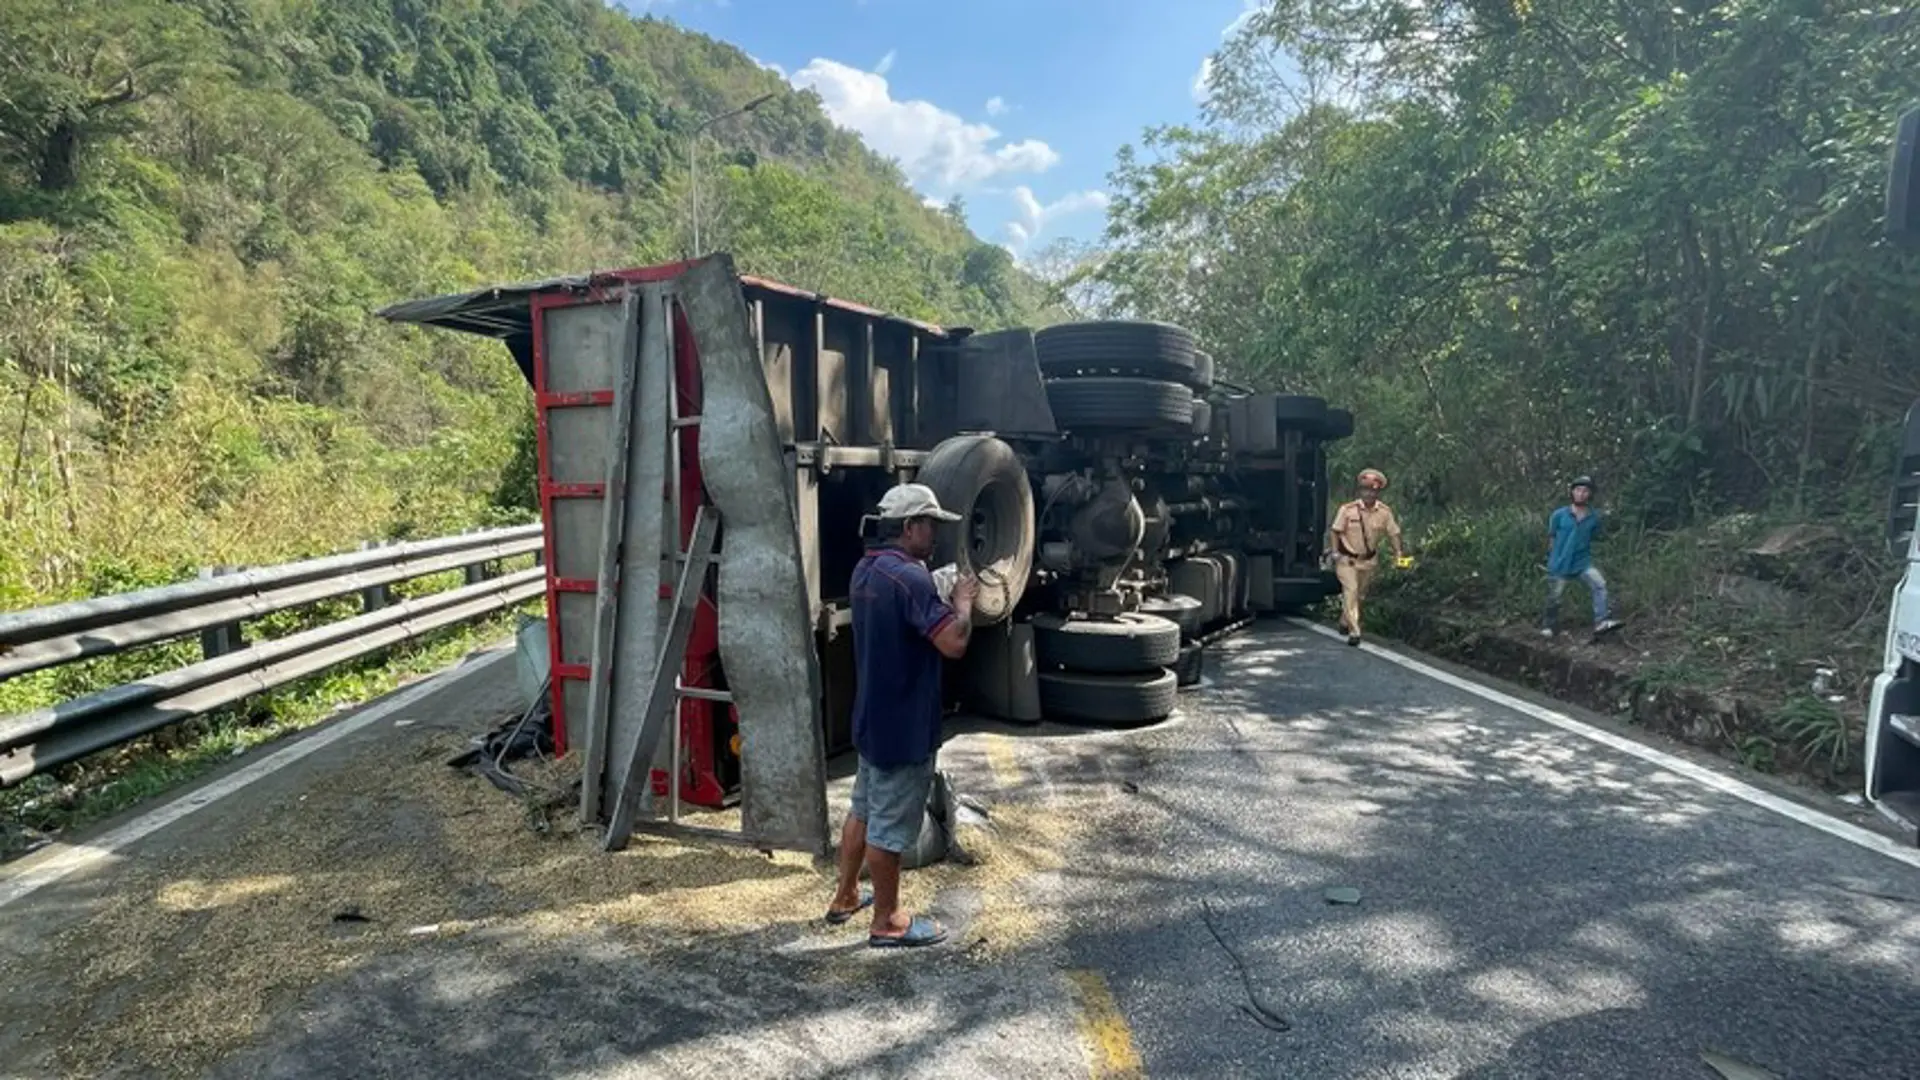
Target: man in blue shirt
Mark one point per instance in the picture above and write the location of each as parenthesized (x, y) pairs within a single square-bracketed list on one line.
[(1570, 535), (901, 632)]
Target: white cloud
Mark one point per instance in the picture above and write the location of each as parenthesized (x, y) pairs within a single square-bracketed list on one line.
[(1200, 79), (938, 149), (932, 203), (1034, 216), (996, 106), (764, 66), (886, 62)]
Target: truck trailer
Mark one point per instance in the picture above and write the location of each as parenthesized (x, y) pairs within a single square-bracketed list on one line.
[(1121, 505)]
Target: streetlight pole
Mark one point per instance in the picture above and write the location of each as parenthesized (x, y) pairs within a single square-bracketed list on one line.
[(693, 157)]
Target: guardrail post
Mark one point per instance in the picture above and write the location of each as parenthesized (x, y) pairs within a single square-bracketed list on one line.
[(374, 597), (226, 638), (477, 572)]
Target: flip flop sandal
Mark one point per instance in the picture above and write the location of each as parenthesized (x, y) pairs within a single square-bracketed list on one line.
[(921, 932), (841, 918)]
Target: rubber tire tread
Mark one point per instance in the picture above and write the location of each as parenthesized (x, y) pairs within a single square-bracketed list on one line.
[(960, 470), (1154, 350), (1123, 404), (1127, 644), (1108, 700)]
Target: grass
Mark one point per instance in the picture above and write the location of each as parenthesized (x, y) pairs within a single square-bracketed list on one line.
[(1698, 616), (103, 785)]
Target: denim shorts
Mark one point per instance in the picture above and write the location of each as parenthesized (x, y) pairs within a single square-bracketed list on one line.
[(892, 802)]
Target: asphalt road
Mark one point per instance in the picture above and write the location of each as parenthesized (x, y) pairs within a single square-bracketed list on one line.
[(1531, 905)]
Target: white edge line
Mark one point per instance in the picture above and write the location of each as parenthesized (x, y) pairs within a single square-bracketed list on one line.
[(1726, 785), (78, 857)]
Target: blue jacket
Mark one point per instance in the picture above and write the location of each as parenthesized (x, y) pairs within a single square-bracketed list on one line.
[(1572, 552)]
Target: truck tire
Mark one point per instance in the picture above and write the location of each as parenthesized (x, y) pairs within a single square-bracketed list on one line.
[(1109, 403), (1299, 411), (1180, 610), (1150, 350), (1125, 644), (1338, 425), (1187, 670), (981, 479), (1202, 378), (1108, 700)]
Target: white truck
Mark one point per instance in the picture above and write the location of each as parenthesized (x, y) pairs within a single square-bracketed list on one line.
[(1893, 715)]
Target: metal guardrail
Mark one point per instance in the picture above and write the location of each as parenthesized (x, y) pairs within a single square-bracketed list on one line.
[(214, 606)]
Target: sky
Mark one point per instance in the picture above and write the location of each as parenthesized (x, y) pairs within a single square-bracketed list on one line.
[(1016, 106)]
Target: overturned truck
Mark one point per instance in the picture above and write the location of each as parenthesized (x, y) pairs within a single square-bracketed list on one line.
[(1121, 506)]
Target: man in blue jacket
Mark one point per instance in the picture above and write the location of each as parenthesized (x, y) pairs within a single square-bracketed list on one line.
[(1570, 535), (901, 632)]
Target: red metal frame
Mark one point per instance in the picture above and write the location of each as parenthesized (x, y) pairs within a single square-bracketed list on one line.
[(702, 784)]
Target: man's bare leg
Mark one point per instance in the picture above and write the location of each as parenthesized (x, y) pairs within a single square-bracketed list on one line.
[(853, 851), (888, 919)]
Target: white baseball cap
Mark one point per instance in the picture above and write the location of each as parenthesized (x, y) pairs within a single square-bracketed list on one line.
[(904, 501)]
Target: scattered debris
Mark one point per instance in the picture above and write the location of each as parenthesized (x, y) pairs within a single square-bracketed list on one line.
[(528, 736), (197, 952), (1266, 1017), (1130, 787), (1343, 894), (1852, 798), (423, 931), (1734, 1070)]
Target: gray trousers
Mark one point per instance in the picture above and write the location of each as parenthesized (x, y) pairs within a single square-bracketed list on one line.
[(1596, 585)]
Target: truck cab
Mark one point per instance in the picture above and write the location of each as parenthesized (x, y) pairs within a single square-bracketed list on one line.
[(1893, 713)]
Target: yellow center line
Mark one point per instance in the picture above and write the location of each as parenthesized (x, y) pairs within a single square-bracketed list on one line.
[(1109, 1040)]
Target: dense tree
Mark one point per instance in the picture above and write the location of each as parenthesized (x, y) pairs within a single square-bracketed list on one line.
[(1532, 238), (202, 202)]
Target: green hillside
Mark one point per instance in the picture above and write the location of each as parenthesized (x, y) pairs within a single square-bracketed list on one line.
[(200, 204)]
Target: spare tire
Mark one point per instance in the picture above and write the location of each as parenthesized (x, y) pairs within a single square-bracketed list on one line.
[(1111, 700), (1124, 644), (1108, 403), (1151, 350), (981, 479), (1338, 425), (1181, 610), (1299, 411)]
